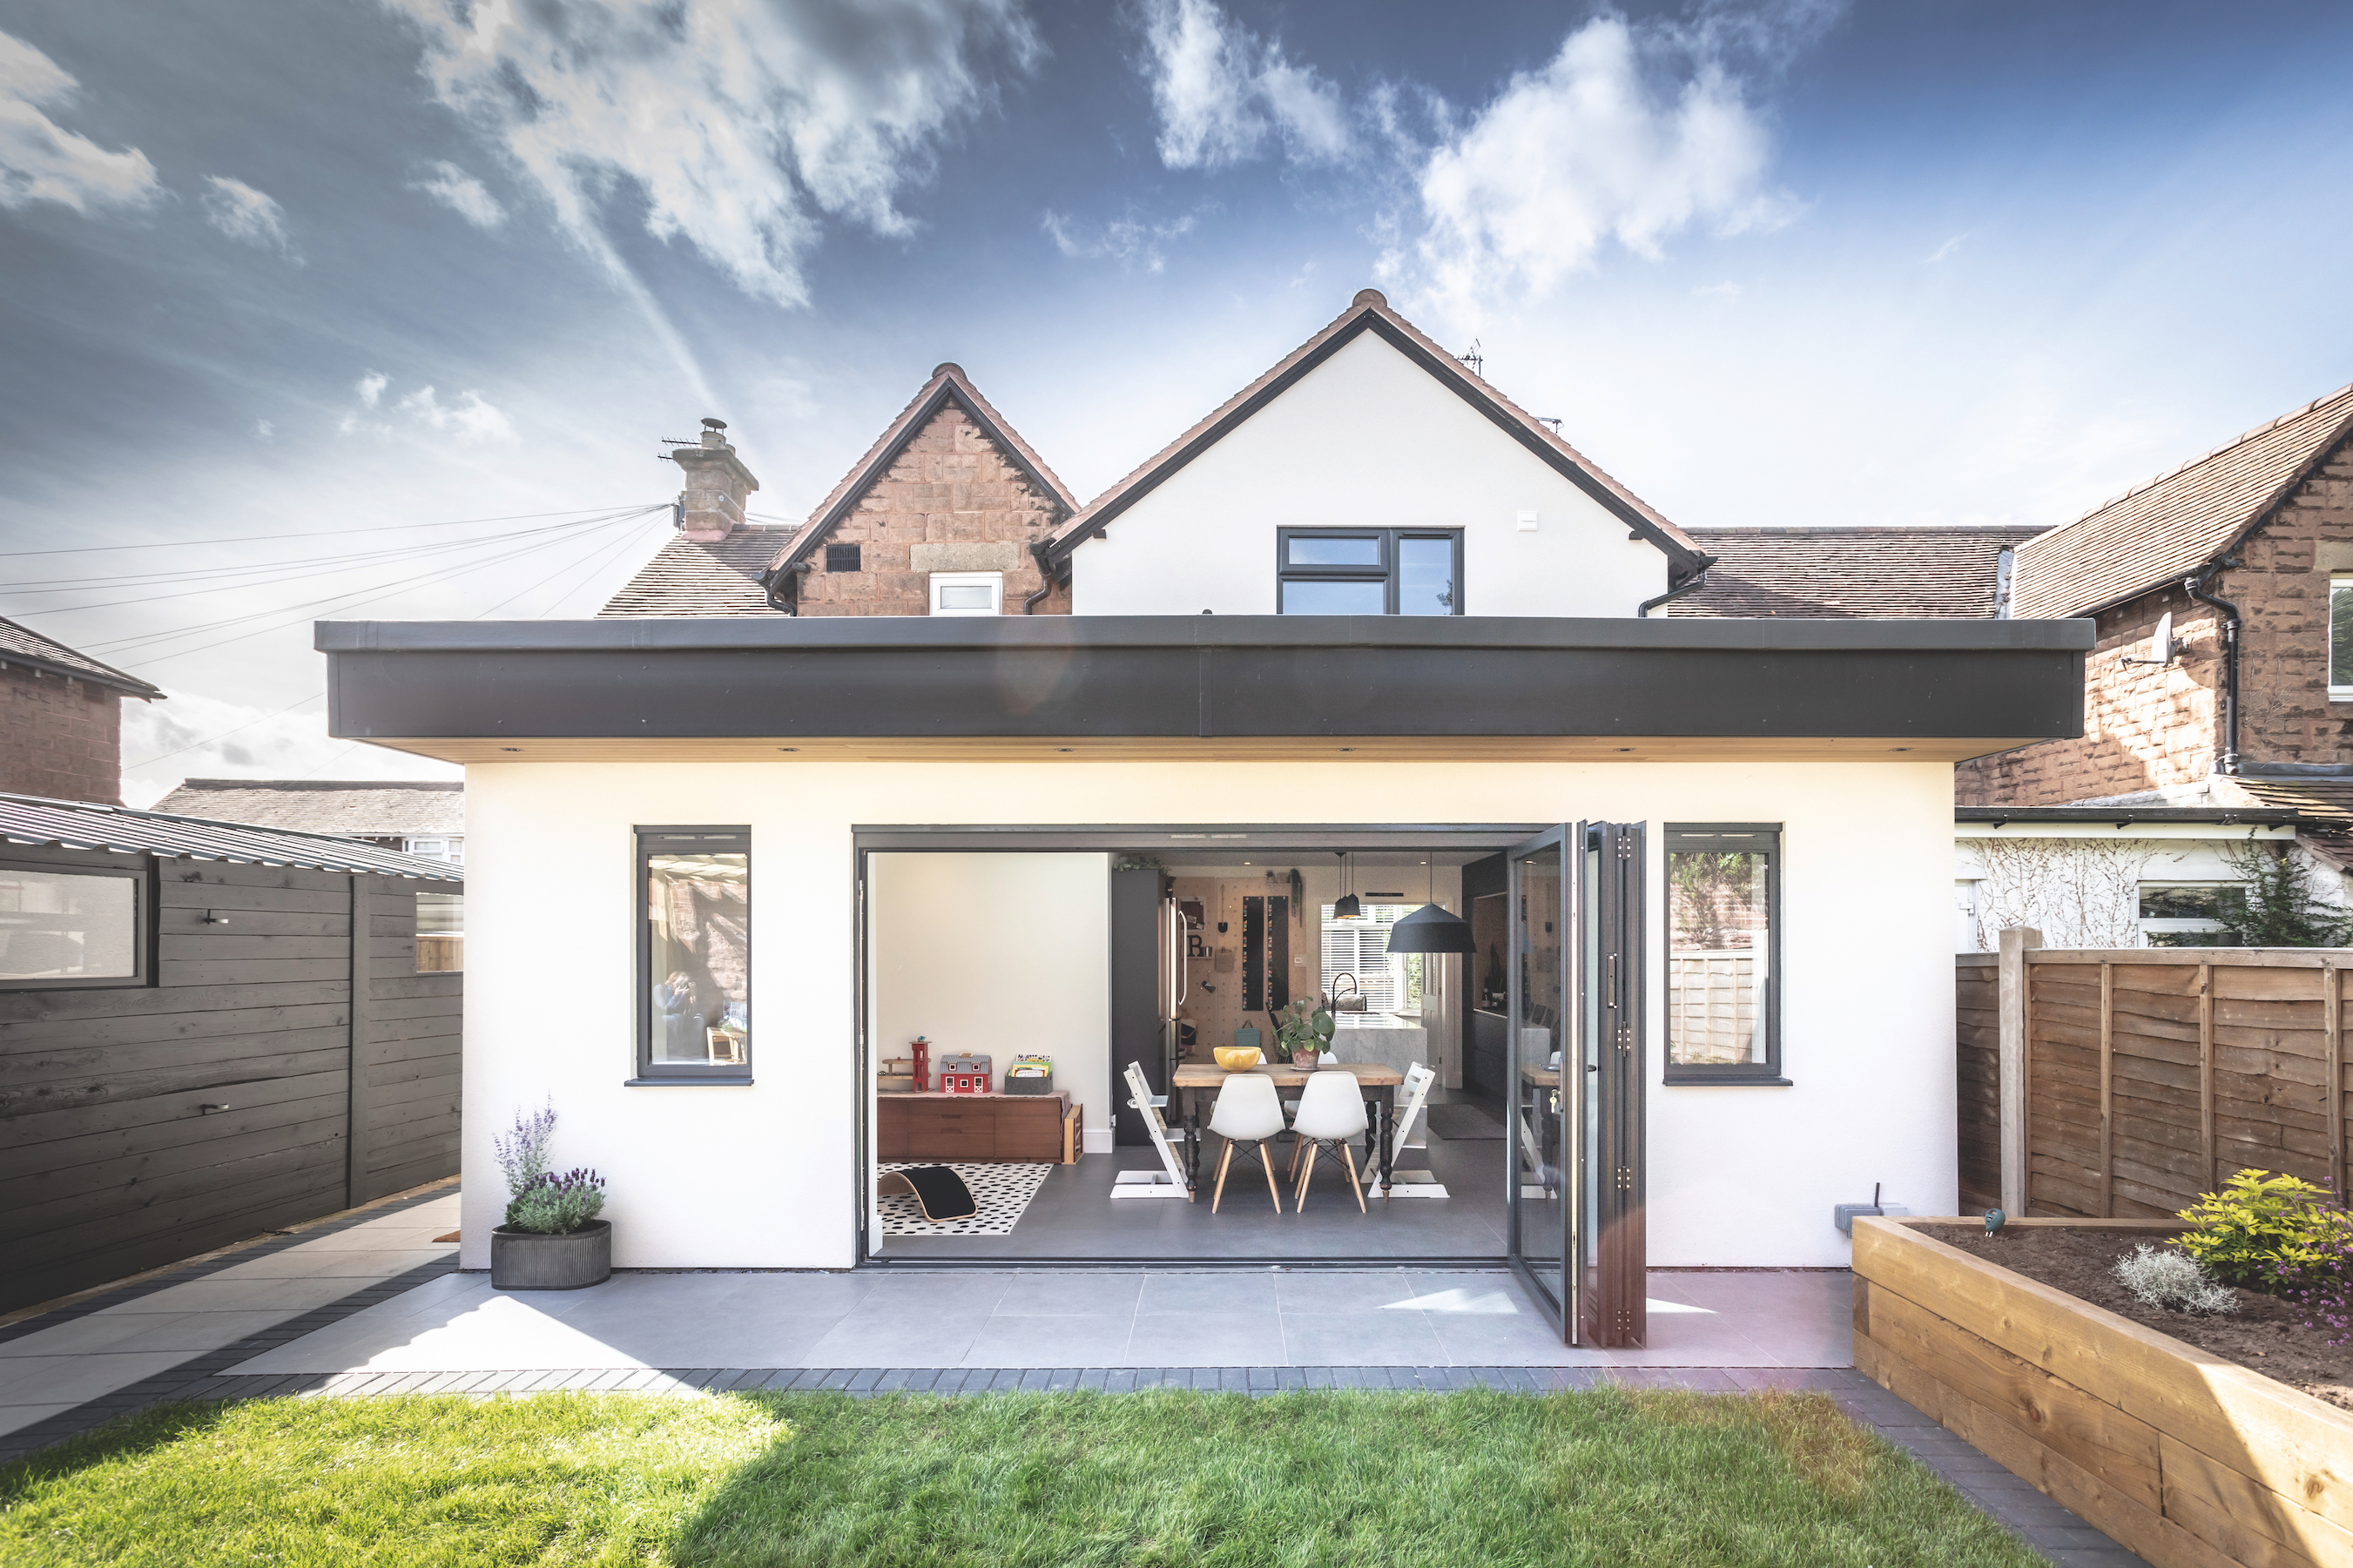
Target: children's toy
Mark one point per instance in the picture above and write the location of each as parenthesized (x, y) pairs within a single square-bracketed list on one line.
[(923, 1049), (965, 1072)]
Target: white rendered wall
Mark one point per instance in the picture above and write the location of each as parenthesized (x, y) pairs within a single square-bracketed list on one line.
[(765, 1176), (1368, 439), (1006, 954)]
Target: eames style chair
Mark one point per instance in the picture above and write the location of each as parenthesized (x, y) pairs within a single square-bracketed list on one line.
[(1247, 1111), (1331, 1112)]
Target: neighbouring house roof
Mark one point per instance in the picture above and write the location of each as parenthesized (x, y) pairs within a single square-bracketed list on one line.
[(71, 825), (705, 577), (348, 808), (948, 384), (1370, 312), (2167, 529), (22, 645), (2323, 805), (1929, 573)]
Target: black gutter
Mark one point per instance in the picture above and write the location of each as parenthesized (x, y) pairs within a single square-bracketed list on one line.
[(1697, 581), (2123, 814), (1038, 548), (2195, 586)]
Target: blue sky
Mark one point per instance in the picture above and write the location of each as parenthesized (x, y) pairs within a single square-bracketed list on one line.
[(328, 272)]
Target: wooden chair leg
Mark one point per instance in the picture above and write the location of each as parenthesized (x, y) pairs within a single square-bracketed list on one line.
[(1306, 1174), (1266, 1163), (1223, 1161), (1350, 1155)]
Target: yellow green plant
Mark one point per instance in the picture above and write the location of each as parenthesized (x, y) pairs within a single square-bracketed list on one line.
[(2259, 1224)]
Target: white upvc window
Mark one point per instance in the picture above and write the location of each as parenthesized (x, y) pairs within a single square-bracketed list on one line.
[(968, 593), (2341, 638), (2183, 914), (450, 850)]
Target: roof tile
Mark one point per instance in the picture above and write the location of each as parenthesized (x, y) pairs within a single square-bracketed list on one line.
[(22, 645), (691, 577), (1871, 574)]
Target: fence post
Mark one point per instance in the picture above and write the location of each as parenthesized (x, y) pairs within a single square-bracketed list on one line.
[(2333, 1011), (2015, 943), (2206, 1075), (2107, 1091)]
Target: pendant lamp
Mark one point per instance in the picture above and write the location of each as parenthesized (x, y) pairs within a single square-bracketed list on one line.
[(1431, 930), (1349, 907)]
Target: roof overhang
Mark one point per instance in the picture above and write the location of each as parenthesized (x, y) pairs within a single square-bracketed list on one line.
[(2201, 822), (1281, 687)]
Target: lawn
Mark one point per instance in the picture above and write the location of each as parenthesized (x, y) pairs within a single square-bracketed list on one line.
[(1609, 1476)]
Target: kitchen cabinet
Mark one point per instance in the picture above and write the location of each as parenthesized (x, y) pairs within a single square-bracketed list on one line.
[(976, 1127)]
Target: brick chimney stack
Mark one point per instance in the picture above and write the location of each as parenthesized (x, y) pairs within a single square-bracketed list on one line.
[(711, 505)]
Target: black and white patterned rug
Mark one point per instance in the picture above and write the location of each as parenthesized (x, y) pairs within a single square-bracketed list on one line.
[(1002, 1193)]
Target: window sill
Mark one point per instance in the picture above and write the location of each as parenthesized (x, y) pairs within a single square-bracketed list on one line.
[(744, 1082), (1726, 1079)]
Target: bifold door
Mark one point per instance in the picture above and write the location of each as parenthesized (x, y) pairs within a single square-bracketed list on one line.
[(1575, 1133)]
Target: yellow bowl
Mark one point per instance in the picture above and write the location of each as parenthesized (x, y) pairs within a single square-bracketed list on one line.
[(1236, 1058)]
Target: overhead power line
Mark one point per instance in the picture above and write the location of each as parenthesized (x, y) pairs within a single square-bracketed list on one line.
[(309, 533)]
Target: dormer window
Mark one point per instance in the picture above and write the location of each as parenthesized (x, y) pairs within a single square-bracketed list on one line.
[(1370, 570)]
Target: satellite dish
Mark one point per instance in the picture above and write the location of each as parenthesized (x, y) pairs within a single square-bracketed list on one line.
[(2161, 641)]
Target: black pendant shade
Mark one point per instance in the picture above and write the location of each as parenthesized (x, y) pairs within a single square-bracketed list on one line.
[(1431, 930), (1348, 908)]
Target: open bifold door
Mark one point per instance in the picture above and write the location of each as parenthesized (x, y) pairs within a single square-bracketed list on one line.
[(1574, 1137)]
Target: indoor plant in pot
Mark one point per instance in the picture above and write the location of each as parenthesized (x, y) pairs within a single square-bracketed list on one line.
[(1301, 1031), (552, 1239)]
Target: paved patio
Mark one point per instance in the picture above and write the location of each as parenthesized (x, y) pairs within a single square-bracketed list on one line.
[(370, 1304)]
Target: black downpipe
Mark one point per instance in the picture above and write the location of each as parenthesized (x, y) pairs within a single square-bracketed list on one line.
[(1696, 580), (1038, 548), (2196, 588)]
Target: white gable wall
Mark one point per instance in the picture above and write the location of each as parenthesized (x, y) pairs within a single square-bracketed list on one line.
[(1368, 439)]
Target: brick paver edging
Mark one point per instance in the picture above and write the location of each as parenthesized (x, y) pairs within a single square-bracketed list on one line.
[(2045, 1525)]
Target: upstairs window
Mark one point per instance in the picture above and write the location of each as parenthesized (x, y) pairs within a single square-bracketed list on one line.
[(842, 558), (1370, 570), (2340, 639)]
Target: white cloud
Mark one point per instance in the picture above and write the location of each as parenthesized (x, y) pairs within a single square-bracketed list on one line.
[(248, 216), (1719, 292), (1591, 148), (371, 387), (462, 193), (1131, 241), (1222, 91), (738, 124), (1944, 251), (470, 419), (264, 429), (42, 161)]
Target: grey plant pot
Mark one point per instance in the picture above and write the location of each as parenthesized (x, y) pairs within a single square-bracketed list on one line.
[(526, 1260)]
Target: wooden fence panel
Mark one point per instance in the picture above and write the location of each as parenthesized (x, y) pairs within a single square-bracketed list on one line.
[(1979, 1070), (2151, 1076)]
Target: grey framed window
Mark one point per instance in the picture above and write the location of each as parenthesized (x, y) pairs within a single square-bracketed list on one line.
[(843, 557), (440, 934), (694, 955), (1724, 952), (63, 926), (1369, 571)]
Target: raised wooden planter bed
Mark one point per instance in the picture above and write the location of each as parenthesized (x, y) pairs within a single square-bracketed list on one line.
[(2190, 1460)]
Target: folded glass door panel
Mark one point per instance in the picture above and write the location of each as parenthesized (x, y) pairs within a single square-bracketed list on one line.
[(1543, 1117)]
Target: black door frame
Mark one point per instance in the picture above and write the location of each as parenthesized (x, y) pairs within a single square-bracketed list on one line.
[(1026, 839)]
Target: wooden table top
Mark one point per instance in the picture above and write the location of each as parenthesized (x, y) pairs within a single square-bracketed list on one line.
[(1209, 1075), (1543, 1077)]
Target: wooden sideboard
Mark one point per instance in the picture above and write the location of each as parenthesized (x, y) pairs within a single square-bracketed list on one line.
[(977, 1127)]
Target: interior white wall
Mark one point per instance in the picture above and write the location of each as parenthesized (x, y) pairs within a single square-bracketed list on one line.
[(1367, 439), (764, 1176), (1007, 954)]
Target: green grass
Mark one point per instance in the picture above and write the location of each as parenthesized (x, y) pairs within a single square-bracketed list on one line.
[(1605, 1478)]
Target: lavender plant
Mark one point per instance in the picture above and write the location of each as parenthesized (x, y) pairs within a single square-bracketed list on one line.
[(558, 1204), (522, 1149), (2321, 1282)]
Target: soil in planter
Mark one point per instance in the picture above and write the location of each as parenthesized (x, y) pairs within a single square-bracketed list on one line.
[(2266, 1335)]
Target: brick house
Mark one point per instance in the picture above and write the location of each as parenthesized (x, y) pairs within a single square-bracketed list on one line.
[(946, 514), (61, 718)]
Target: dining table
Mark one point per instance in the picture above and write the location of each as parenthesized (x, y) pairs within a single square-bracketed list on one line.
[(1197, 1083)]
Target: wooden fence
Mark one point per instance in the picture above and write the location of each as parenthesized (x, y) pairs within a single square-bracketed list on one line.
[(2123, 1082), (287, 1061)]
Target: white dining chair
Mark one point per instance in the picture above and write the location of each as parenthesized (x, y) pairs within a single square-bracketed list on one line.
[(1331, 1112), (1247, 1111)]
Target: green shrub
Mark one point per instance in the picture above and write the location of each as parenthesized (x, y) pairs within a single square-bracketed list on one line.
[(2257, 1223), (558, 1206)]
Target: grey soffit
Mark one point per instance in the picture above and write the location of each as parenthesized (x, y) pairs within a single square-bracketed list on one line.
[(70, 825), (1231, 676)]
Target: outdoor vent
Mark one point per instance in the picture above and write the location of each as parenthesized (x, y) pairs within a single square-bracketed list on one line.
[(841, 558)]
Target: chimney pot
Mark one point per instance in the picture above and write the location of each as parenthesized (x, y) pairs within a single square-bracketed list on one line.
[(710, 507)]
